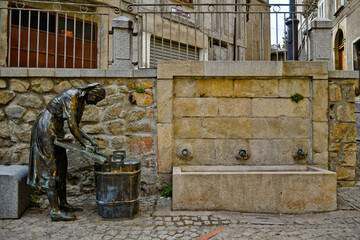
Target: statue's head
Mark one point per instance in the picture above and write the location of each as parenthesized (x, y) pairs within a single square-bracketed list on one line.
[(94, 93)]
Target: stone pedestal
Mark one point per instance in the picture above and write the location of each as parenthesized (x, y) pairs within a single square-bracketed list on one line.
[(15, 193), (320, 40), (122, 43)]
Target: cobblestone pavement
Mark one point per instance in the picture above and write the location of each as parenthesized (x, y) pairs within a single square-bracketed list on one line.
[(157, 221)]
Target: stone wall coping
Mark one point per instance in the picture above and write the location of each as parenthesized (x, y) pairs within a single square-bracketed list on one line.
[(343, 74), (169, 69), (70, 73)]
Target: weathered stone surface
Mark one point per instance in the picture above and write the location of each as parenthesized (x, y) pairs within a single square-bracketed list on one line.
[(276, 152), (195, 107), (343, 132), (4, 130), (2, 84), (6, 97), (214, 87), (116, 127), (164, 101), (101, 141), (320, 137), (140, 145), (184, 87), (19, 85), (117, 143), (15, 111), (132, 85), (48, 97), (280, 107), (93, 129), (256, 88), (350, 147), (252, 192), (242, 128), (318, 70), (349, 159), (349, 92), (30, 115), (187, 127), (288, 87), (140, 127), (136, 114), (345, 173), (111, 90), (30, 100), (2, 114), (320, 159), (148, 175), (150, 113), (168, 69), (334, 93), (91, 114), (228, 149), (15, 192), (202, 151), (165, 143), (296, 127), (62, 86), (112, 112), (77, 83), (147, 84), (234, 107), (143, 99), (109, 100), (335, 147), (345, 112), (320, 100)]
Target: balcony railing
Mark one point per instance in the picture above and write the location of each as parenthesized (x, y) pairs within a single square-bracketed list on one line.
[(45, 34), (214, 31)]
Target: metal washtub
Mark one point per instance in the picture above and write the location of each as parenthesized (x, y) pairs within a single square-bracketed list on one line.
[(117, 186)]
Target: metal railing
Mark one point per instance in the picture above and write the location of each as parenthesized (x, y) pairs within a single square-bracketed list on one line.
[(45, 34), (237, 31)]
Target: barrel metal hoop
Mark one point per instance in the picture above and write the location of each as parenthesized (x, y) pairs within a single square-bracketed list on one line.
[(118, 173), (117, 203)]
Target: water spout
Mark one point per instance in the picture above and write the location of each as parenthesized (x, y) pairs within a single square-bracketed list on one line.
[(242, 155)]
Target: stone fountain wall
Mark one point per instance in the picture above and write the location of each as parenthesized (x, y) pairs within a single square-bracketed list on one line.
[(216, 109)]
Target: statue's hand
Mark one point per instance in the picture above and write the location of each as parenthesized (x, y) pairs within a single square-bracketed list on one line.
[(95, 145), (90, 149)]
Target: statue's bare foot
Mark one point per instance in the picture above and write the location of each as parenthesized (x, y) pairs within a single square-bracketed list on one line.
[(68, 208), (57, 215)]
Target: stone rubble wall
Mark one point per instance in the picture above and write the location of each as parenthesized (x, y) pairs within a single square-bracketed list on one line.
[(342, 128), (125, 119)]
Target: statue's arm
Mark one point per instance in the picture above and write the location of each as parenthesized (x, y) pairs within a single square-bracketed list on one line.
[(90, 139)]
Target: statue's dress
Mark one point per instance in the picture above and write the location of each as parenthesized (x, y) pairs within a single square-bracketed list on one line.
[(48, 162)]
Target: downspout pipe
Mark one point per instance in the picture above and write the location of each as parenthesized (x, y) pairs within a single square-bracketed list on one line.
[(292, 33)]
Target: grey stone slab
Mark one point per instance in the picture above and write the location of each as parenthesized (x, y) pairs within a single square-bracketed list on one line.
[(14, 72), (344, 74), (41, 72), (92, 73), (67, 73), (145, 73), (15, 193), (357, 107), (242, 68), (119, 73)]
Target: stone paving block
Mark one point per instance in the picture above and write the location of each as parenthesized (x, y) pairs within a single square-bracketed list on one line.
[(15, 193)]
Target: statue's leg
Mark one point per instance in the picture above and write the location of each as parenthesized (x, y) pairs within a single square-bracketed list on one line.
[(61, 184), (56, 214)]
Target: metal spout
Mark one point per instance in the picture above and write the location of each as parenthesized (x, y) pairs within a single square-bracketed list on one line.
[(243, 155)]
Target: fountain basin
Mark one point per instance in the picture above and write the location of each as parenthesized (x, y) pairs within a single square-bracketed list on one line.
[(258, 189)]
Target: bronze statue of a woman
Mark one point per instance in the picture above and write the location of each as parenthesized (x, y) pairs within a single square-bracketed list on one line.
[(48, 162)]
